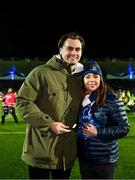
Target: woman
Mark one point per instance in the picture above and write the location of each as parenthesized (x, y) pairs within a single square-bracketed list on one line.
[(102, 121)]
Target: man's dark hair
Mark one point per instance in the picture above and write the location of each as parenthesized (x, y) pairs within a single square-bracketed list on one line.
[(72, 35)]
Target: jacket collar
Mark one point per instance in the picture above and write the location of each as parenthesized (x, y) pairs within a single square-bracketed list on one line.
[(59, 64)]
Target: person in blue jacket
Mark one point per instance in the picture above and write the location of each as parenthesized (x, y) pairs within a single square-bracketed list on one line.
[(103, 120)]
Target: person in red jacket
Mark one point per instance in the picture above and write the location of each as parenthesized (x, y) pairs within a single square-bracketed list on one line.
[(9, 105)]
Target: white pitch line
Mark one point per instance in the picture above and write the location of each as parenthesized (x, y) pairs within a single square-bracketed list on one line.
[(12, 132)]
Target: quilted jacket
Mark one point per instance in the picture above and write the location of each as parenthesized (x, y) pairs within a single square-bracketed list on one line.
[(113, 124)]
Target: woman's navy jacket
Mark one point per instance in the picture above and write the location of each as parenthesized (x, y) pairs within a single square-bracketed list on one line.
[(113, 124)]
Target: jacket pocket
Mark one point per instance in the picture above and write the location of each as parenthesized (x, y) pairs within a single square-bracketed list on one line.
[(40, 146)]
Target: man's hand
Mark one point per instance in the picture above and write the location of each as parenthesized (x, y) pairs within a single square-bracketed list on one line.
[(59, 128)]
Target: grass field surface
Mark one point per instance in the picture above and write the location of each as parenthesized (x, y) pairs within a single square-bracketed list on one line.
[(11, 141)]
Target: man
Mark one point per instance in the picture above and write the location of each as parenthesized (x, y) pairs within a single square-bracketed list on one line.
[(49, 101), (9, 105)]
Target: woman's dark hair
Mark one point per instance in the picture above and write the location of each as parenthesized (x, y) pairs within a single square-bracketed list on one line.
[(102, 93), (72, 35)]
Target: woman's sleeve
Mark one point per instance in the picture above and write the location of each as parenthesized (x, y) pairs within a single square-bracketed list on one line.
[(119, 122)]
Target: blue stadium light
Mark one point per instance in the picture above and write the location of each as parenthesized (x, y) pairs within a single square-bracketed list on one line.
[(12, 75), (130, 71), (131, 75), (12, 72)]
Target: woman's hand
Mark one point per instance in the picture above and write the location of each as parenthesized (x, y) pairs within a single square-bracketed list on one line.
[(89, 130)]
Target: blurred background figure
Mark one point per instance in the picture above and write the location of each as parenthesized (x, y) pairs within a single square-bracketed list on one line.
[(1, 95), (9, 105)]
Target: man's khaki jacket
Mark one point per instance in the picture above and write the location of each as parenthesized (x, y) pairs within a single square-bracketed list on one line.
[(50, 93)]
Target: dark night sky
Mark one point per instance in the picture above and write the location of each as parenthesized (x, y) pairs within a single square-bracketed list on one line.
[(34, 34)]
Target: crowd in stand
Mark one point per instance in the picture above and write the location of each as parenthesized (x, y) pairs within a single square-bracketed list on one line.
[(128, 98)]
